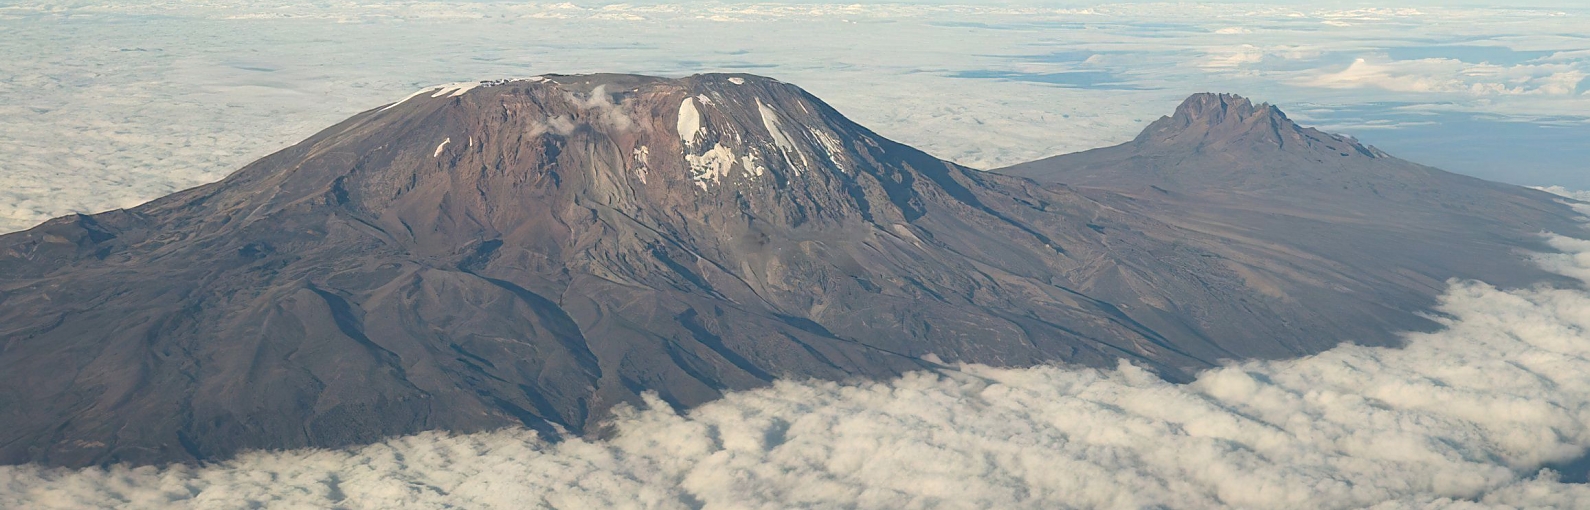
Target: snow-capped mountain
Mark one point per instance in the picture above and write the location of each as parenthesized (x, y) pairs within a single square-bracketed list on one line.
[(535, 252)]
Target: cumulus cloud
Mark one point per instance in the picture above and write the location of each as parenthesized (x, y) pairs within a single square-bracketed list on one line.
[(1468, 417), (604, 111), (1582, 196), (1235, 57), (560, 125), (1454, 76), (1580, 202)]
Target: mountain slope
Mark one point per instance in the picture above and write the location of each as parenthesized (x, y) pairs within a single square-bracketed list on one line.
[(1224, 166), (535, 252)]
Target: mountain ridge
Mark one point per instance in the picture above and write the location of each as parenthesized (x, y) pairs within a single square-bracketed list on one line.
[(1219, 119), (534, 252)]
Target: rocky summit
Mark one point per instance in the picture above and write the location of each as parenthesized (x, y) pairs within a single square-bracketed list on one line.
[(536, 252)]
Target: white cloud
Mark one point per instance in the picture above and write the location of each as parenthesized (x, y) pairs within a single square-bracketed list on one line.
[(1583, 196), (1235, 57), (1453, 76), (1462, 418), (1430, 75), (102, 112), (99, 115), (1582, 206), (607, 114)]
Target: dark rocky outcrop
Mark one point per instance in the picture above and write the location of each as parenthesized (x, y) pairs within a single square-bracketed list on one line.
[(535, 252)]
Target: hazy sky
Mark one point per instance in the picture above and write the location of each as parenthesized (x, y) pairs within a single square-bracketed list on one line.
[(112, 103)]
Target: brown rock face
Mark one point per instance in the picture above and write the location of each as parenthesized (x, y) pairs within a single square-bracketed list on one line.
[(535, 252)]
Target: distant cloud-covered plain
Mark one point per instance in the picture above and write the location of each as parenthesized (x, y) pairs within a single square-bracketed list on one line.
[(112, 103)]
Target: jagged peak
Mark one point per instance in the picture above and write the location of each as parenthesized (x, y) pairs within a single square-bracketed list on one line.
[(1226, 121), (1219, 108), (1209, 113)]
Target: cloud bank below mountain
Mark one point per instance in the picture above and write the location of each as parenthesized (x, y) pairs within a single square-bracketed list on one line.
[(113, 103), (1472, 416)]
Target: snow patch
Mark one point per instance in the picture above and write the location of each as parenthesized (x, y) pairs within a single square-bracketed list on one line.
[(439, 148), (905, 232), (737, 81), (749, 163), (408, 97), (455, 89), (689, 125), (831, 146), (450, 90), (642, 157), (775, 125), (711, 166)]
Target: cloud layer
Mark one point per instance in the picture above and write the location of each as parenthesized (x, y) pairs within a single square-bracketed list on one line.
[(112, 103), (1469, 417)]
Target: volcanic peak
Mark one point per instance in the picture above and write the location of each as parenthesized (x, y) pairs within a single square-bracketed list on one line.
[(1211, 121), (730, 128)]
